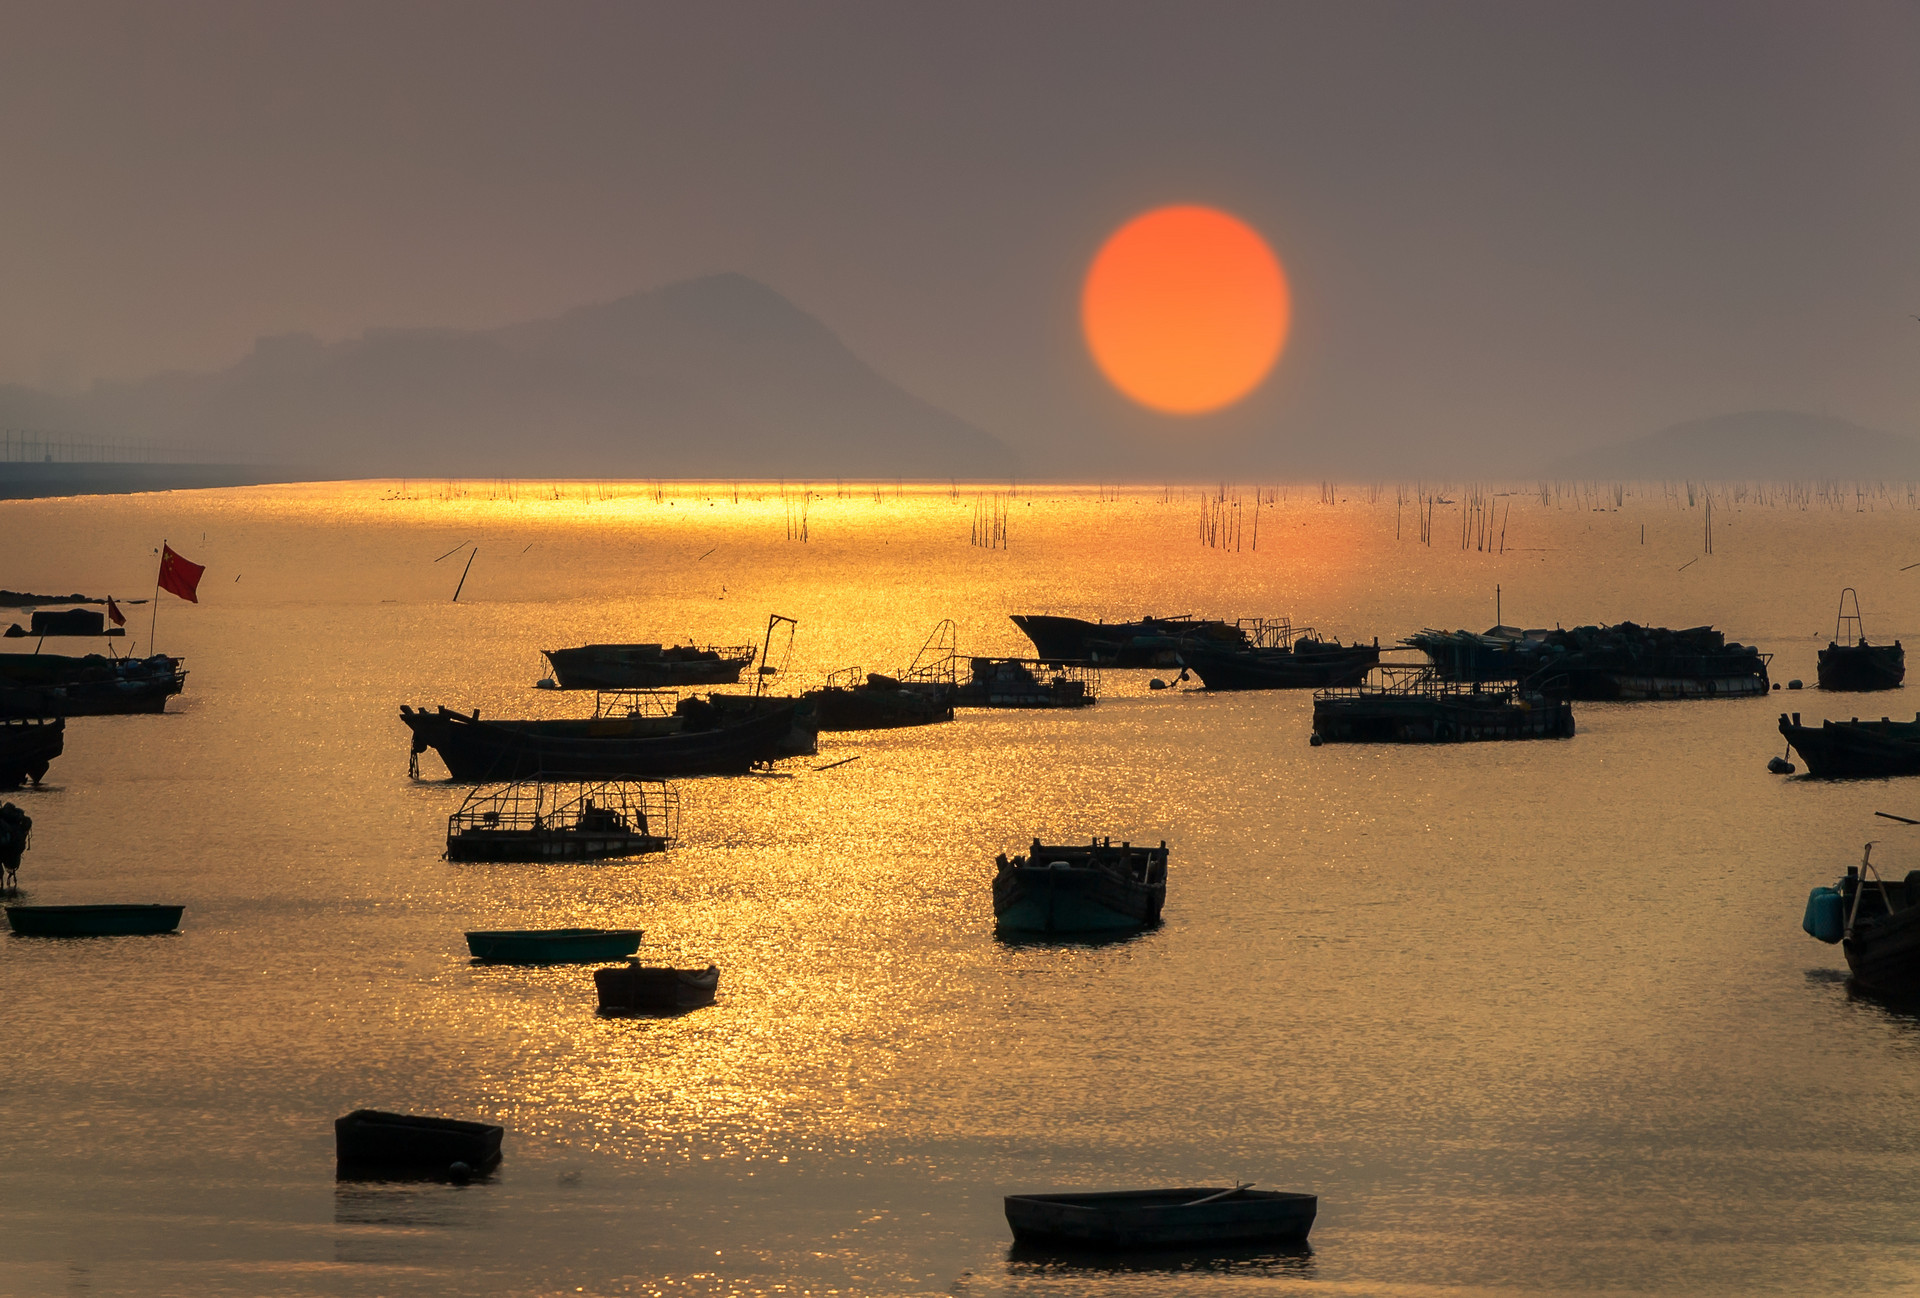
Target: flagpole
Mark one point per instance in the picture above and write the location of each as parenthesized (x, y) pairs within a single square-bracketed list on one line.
[(156, 598)]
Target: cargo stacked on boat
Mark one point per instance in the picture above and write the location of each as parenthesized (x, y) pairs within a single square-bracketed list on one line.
[(1625, 662)]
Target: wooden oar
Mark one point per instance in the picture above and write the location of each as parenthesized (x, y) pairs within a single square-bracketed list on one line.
[(1218, 1194), (1902, 819)]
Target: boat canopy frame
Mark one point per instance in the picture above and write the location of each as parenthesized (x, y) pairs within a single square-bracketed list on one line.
[(538, 805)]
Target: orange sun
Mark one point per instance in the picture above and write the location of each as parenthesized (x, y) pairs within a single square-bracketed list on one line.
[(1185, 309)]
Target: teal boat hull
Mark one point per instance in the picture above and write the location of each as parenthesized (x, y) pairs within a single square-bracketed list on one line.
[(553, 945), (92, 921)]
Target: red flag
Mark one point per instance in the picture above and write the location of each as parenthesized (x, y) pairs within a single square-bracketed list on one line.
[(114, 615), (180, 576)]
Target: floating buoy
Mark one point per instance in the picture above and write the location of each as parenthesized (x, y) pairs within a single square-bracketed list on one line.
[(1314, 739), (1780, 766), (546, 683), (1776, 685), (458, 1171), (1156, 684), (1793, 685)]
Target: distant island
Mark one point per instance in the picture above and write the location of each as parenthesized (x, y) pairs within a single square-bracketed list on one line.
[(1778, 445), (713, 377)]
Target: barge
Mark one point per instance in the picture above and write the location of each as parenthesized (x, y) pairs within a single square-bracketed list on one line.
[(1099, 888), (1624, 662), (1413, 705)]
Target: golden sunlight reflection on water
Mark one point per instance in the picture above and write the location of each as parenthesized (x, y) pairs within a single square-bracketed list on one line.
[(1524, 1015)]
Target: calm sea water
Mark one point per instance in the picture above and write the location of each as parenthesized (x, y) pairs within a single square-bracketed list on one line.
[(1529, 1018)]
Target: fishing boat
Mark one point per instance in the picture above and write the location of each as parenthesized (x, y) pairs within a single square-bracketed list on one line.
[(879, 702), (1849, 663), (92, 685), (93, 921), (634, 986), (553, 945), (1027, 683), (1624, 662), (371, 1141), (1092, 889), (631, 735), (648, 666), (1877, 924), (1149, 642), (28, 746), (1413, 705), (543, 820), (1196, 1217), (1278, 656), (1853, 748)]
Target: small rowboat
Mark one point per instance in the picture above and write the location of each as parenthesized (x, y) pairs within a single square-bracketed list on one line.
[(633, 986), (368, 1140), (1145, 1219), (553, 945), (92, 921)]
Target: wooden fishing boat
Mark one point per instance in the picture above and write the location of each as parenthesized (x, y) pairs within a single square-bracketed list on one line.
[(88, 686), (371, 1141), (846, 702), (28, 746), (622, 740), (634, 986), (1196, 1217), (1278, 656), (93, 921), (1854, 749), (1150, 642), (1027, 683), (1877, 924), (553, 945), (1093, 889), (543, 820), (648, 666), (1413, 705), (1849, 663)]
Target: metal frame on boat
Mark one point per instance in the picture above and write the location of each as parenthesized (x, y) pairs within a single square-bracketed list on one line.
[(544, 820)]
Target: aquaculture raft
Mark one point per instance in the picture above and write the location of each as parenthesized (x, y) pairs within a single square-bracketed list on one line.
[(1413, 705), (1091, 889), (1028, 683), (537, 820), (1625, 662)]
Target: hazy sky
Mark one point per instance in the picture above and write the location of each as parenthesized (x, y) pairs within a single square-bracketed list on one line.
[(1511, 229)]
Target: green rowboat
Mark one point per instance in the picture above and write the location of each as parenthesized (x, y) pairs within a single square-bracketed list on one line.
[(92, 921), (553, 945)]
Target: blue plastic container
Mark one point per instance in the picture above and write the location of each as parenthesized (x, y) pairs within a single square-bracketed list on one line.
[(1826, 915)]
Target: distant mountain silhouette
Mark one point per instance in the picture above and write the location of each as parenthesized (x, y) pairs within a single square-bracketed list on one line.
[(1758, 444), (719, 376)]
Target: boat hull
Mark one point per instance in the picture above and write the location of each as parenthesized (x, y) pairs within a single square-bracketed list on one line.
[(1127, 1220), (616, 667), (554, 945), (841, 709), (1862, 667), (28, 747), (1056, 898), (93, 921), (1150, 642), (476, 844), (477, 751), (1282, 669), (1839, 750), (90, 686), (633, 988), (370, 1141)]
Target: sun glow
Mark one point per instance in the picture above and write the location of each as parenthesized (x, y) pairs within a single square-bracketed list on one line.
[(1185, 309)]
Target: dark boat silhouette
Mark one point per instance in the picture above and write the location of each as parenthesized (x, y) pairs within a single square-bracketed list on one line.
[(28, 746), (879, 702), (548, 820), (110, 920), (372, 1142), (552, 945), (1189, 1218), (1849, 663), (637, 987), (1877, 924), (1854, 748), (1413, 705), (1277, 656), (696, 738), (1150, 642), (647, 666), (91, 685), (1099, 888), (1624, 662)]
